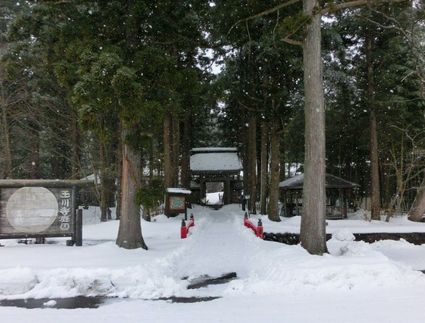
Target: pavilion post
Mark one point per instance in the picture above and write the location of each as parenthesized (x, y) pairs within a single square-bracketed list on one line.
[(227, 192), (203, 188), (284, 203), (297, 193)]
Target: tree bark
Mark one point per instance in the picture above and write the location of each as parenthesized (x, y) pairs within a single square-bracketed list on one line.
[(76, 148), (374, 158), (264, 164), (168, 167), (119, 162), (151, 159), (34, 159), (176, 148), (7, 153), (313, 230), (245, 163), (252, 160), (274, 176), (282, 175), (186, 145), (418, 208), (130, 231), (103, 183)]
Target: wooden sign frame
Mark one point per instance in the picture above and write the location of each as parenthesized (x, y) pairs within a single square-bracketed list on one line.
[(176, 201), (62, 219)]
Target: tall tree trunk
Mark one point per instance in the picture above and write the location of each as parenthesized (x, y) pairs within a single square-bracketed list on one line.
[(103, 183), (130, 231), (258, 163), (418, 208), (313, 230), (387, 187), (275, 171), (176, 148), (245, 163), (264, 164), (282, 175), (118, 172), (6, 148), (76, 148), (374, 158), (252, 160), (151, 159), (186, 145), (168, 167), (34, 159)]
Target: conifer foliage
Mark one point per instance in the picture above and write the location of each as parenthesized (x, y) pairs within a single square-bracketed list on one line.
[(124, 89)]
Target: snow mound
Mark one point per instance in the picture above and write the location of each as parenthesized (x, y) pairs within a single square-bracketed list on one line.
[(343, 235), (16, 280), (50, 303)]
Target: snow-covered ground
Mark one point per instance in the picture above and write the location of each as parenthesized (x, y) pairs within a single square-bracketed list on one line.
[(214, 198), (355, 223), (356, 282)]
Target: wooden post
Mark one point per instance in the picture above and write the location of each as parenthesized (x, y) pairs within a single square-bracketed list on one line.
[(78, 235), (203, 189), (227, 192), (297, 197), (285, 209), (345, 199), (78, 220)]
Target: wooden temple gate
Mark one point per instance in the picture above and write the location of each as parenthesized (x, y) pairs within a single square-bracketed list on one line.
[(212, 164)]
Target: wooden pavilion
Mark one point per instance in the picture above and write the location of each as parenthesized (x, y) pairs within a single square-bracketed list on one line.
[(339, 192), (215, 164)]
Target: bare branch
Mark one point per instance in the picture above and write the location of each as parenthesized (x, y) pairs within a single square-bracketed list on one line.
[(264, 13), (292, 41), (331, 8)]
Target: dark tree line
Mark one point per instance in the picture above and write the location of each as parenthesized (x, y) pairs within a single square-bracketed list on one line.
[(123, 89)]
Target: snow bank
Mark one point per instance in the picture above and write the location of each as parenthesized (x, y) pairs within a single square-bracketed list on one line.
[(16, 280), (218, 244), (134, 282), (276, 268), (355, 223)]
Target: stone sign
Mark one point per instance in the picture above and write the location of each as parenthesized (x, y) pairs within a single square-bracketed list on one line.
[(39, 208), (36, 210)]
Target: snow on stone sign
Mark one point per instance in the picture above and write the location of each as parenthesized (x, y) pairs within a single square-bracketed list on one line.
[(30, 209), (37, 208)]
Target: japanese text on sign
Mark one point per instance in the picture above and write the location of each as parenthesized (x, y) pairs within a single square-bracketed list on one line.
[(65, 210)]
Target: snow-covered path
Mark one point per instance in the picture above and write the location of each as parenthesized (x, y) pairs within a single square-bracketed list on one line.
[(356, 282), (217, 246)]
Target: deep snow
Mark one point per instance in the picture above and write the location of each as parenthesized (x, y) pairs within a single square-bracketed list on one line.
[(356, 282)]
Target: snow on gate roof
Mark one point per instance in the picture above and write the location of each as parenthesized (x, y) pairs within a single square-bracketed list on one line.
[(215, 159), (214, 149), (178, 190), (296, 182)]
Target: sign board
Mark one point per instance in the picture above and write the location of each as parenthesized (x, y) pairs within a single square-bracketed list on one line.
[(36, 210), (39, 208), (176, 201)]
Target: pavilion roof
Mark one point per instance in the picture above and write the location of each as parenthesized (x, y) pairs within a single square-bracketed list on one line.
[(332, 181), (215, 159)]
